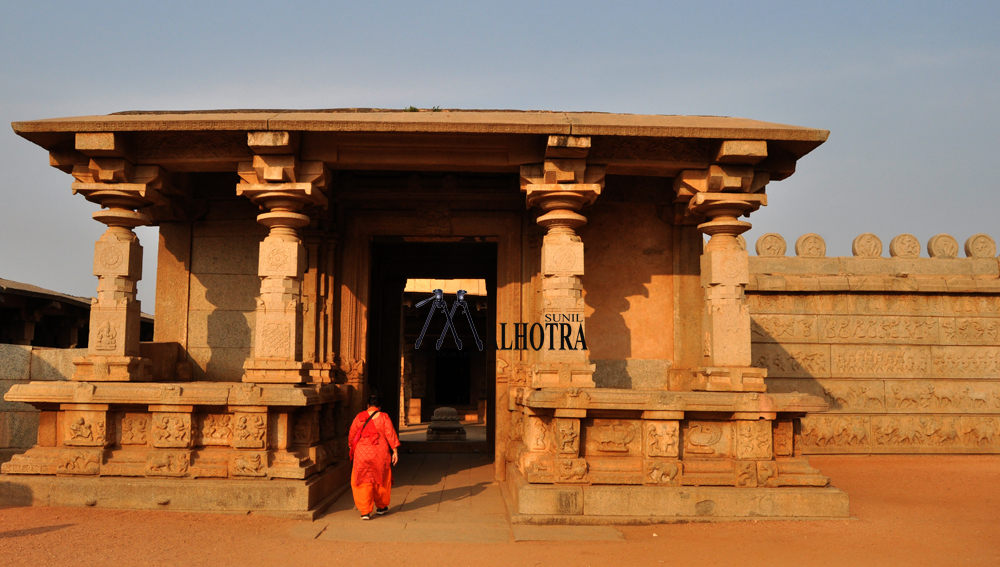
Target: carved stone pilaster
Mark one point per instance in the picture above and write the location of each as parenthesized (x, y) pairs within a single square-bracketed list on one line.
[(121, 189), (561, 186), (283, 186), (716, 197)]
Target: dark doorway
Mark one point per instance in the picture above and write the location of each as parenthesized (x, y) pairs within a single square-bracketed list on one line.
[(464, 379)]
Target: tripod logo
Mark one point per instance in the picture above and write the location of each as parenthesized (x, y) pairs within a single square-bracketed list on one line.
[(440, 303)]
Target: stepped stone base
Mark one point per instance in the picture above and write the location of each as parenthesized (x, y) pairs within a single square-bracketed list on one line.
[(608, 504), (297, 499)]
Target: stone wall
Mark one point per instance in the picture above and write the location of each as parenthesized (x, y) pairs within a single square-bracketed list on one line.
[(223, 290), (20, 364), (905, 349)]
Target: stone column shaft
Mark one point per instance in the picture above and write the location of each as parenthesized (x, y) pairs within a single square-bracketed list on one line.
[(121, 188), (283, 186), (561, 186), (720, 195)]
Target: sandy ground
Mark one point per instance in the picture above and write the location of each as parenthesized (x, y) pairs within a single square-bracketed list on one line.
[(938, 510)]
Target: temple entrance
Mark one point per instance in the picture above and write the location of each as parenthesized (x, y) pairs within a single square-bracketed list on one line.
[(417, 382)]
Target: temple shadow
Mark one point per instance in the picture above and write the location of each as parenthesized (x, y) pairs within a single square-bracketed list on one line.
[(630, 265), (33, 531), (449, 495)]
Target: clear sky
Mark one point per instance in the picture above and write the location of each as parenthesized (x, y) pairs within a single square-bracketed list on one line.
[(909, 90)]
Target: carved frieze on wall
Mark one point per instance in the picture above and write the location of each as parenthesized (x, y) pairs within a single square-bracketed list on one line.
[(902, 372)]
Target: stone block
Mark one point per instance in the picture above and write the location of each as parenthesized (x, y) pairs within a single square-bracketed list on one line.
[(544, 499), (118, 258), (692, 502), (163, 357), (218, 364), (18, 429), (281, 259), (224, 255), (214, 495), (228, 292), (6, 406), (15, 362), (221, 329)]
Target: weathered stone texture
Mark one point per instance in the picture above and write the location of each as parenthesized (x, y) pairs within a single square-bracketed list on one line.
[(904, 349)]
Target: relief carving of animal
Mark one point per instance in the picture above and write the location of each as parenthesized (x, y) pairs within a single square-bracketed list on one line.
[(615, 437)]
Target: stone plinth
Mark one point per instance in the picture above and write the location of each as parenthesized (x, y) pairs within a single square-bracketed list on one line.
[(578, 450), (445, 426), (212, 436)]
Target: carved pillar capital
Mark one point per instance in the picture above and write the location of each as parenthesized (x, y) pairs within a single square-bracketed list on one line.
[(282, 186)]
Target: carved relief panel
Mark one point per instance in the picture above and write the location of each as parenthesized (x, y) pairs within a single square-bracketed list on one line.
[(614, 437), (661, 438), (171, 429), (249, 430), (216, 430), (708, 439), (168, 463), (248, 463), (538, 438), (134, 429), (753, 439), (85, 428), (567, 436)]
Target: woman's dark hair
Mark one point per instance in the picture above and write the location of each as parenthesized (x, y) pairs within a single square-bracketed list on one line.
[(375, 401)]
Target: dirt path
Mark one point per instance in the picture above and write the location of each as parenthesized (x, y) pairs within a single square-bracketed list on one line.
[(911, 511)]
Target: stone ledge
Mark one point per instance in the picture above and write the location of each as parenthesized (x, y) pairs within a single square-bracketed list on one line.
[(186, 393), (297, 499), (650, 400), (605, 504)]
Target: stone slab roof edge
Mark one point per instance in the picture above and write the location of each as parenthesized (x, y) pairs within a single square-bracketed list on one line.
[(29, 290), (444, 121)]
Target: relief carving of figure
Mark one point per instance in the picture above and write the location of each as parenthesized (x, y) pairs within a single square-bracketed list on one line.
[(567, 436), (134, 430), (80, 429), (216, 427), (107, 337), (251, 429), (171, 428), (538, 441)]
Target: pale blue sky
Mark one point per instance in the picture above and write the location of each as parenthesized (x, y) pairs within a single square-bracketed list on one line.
[(909, 90)]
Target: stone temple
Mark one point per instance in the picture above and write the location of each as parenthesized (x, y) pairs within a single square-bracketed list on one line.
[(630, 370)]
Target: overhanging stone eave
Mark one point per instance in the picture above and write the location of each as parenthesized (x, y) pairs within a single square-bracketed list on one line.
[(49, 133)]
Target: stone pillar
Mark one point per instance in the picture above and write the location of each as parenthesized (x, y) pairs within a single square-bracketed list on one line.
[(121, 188), (561, 186), (282, 185), (718, 196)]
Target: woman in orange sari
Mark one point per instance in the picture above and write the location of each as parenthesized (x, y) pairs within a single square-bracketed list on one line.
[(372, 437)]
